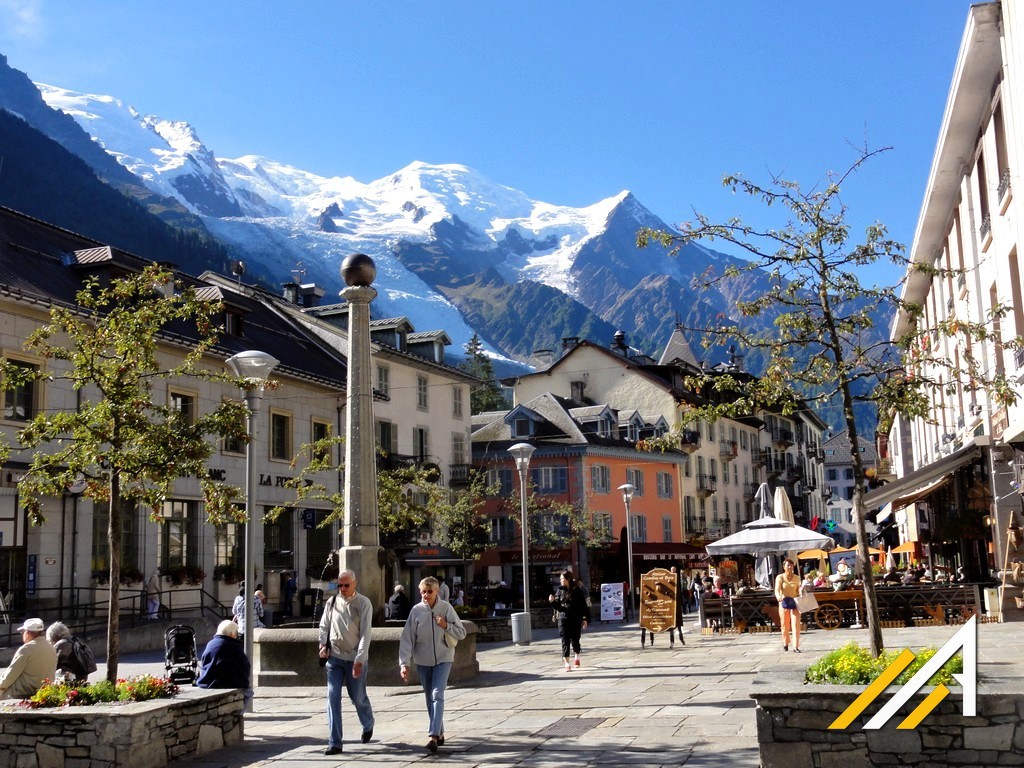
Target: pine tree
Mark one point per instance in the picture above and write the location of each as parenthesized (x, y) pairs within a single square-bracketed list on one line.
[(485, 396)]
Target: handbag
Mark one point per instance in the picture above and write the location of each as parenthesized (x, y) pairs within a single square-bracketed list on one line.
[(806, 602), (450, 640)]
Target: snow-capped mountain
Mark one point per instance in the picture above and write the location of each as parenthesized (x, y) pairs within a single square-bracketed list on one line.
[(454, 250)]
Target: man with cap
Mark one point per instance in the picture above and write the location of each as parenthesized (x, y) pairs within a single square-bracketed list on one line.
[(34, 662)]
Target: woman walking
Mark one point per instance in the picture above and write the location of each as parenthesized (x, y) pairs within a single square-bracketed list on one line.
[(428, 641), (573, 615), (787, 589)]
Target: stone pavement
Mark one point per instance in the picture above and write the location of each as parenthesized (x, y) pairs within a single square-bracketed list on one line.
[(627, 706)]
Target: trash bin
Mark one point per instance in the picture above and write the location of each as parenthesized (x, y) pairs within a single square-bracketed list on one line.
[(307, 599), (521, 629), (992, 602)]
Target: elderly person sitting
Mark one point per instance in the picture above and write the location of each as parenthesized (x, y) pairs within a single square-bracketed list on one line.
[(67, 665), (34, 662), (224, 663)]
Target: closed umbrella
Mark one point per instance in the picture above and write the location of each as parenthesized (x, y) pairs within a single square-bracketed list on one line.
[(890, 561)]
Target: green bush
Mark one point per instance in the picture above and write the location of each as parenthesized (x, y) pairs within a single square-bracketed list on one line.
[(853, 665), (141, 688)]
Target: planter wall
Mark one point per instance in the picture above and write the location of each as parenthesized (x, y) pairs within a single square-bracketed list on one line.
[(793, 720), (145, 734)]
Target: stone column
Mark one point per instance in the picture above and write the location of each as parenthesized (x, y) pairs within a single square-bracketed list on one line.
[(360, 552)]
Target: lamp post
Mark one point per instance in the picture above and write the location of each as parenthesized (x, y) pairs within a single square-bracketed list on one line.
[(627, 496), (255, 368), (522, 452)]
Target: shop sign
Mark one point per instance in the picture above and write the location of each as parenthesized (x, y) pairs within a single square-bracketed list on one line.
[(658, 600)]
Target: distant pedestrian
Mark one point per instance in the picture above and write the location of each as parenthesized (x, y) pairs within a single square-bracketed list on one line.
[(153, 595), (397, 608), (787, 589), (428, 641), (345, 643), (443, 591), (290, 588), (238, 609), (570, 603)]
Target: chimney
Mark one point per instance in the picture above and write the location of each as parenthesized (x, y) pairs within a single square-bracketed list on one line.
[(309, 295), (619, 342), (291, 292), (541, 359)]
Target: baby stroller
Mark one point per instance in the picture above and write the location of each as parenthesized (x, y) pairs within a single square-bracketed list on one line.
[(181, 656)]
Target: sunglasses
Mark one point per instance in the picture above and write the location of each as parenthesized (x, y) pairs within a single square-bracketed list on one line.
[(345, 585)]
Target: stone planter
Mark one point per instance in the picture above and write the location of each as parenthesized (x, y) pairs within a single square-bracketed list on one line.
[(144, 734), (793, 720)]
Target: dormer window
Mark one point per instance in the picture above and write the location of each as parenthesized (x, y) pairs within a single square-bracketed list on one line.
[(522, 427), (233, 324)]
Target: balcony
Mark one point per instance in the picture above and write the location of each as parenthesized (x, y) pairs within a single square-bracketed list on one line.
[(461, 474), (1018, 357), (764, 458), (728, 450), (985, 232), (689, 441), (750, 491), (706, 485), (781, 437), (775, 467), (1004, 186)]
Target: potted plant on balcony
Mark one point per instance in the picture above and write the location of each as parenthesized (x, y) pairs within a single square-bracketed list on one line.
[(191, 575)]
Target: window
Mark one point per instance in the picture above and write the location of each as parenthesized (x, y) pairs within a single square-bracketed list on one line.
[(831, 474), (500, 479), (236, 444), (743, 440), (184, 405), (638, 524), (550, 479), (129, 537), (635, 477), (387, 436), (278, 541), (280, 436), (600, 478), (20, 401), (664, 485), (457, 401), (666, 528), (602, 526), (521, 427), (502, 531), (422, 388), (458, 448), (384, 380), (321, 430), (421, 443), (178, 534), (687, 471), (848, 473), (228, 546)]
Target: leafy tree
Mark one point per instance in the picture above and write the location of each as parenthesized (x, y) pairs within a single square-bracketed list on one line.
[(817, 324), (485, 396), (127, 445), (459, 521)]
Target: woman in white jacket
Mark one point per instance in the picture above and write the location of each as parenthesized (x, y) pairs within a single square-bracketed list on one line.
[(428, 641)]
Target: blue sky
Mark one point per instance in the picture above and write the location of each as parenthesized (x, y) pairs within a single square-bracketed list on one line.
[(570, 102)]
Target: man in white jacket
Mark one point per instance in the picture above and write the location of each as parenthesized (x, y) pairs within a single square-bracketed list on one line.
[(345, 645), (34, 661)]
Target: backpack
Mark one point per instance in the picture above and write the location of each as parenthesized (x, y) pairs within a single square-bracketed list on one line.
[(85, 659)]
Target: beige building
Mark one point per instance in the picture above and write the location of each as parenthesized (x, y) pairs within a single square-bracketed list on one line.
[(953, 496)]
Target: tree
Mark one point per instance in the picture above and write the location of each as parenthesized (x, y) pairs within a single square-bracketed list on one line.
[(485, 396), (817, 325), (127, 445), (459, 521)]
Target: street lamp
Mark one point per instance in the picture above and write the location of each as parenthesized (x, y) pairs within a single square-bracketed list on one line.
[(627, 496), (522, 452), (255, 368)]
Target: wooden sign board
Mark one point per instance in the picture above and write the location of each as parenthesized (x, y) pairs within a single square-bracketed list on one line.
[(658, 600)]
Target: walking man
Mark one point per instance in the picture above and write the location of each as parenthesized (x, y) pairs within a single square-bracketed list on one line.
[(345, 645)]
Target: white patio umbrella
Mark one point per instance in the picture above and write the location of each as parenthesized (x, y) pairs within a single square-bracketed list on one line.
[(784, 511)]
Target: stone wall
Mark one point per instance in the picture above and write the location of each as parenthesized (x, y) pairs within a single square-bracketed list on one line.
[(288, 657), (793, 720), (144, 734)]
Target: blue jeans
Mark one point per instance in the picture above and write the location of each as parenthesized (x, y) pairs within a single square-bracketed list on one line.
[(339, 672), (434, 680)]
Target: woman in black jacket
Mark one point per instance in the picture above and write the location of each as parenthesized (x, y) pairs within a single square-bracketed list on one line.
[(573, 615)]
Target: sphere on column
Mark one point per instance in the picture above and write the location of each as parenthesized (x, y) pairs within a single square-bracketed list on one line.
[(358, 269)]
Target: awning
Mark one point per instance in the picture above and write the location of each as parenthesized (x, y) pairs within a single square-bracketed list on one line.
[(919, 480), (905, 548)]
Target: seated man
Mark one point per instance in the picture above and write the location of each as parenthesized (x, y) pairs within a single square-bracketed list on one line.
[(34, 662)]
